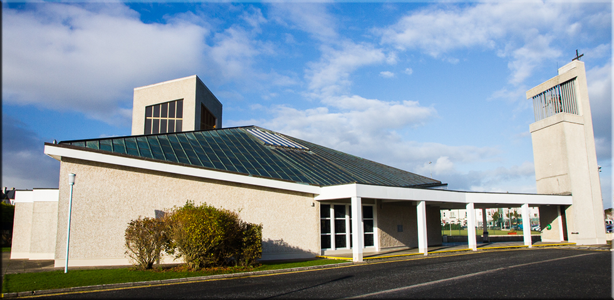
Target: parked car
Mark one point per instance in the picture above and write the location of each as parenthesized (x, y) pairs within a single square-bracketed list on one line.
[(536, 228), (608, 228)]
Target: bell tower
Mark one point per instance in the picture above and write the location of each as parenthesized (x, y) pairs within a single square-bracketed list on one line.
[(183, 104), (565, 158)]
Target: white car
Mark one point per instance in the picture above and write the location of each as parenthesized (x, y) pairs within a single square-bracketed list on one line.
[(536, 228)]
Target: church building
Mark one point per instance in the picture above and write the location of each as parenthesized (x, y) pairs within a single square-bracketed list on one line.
[(310, 199)]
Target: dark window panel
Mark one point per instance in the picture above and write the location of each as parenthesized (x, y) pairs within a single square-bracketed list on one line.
[(340, 241), (156, 150), (340, 226), (171, 126), (368, 226), (339, 211), (148, 110), (148, 126), (156, 126), (106, 145), (325, 241), (324, 211), (179, 108), (325, 226), (118, 146), (367, 212), (178, 126), (164, 110), (163, 124), (369, 240), (171, 109), (156, 110), (92, 144)]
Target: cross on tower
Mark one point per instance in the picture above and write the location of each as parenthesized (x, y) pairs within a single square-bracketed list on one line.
[(577, 56)]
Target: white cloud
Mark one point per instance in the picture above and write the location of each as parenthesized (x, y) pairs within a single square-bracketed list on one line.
[(408, 71), (88, 58), (522, 31), (309, 17), (599, 80), (67, 57), (330, 76), (386, 74)]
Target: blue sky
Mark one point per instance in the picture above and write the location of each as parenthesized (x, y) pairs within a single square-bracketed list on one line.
[(432, 88)]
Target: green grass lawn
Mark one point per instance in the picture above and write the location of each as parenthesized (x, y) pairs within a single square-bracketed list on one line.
[(463, 232), (6, 249), (57, 279)]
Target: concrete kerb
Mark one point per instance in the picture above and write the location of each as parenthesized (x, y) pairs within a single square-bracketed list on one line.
[(111, 286)]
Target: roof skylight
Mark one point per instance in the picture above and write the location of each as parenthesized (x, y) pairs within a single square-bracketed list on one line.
[(274, 139)]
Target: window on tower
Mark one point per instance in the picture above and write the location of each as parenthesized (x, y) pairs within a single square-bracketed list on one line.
[(207, 120), (164, 117)]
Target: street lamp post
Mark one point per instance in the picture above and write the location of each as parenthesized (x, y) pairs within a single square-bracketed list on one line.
[(71, 181)]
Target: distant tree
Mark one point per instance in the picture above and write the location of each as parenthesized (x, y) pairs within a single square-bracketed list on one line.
[(496, 217)]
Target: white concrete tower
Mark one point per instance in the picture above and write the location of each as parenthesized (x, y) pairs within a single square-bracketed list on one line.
[(183, 104), (565, 157)]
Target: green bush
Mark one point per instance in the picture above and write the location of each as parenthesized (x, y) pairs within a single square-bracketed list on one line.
[(206, 236), (145, 239), (251, 244)]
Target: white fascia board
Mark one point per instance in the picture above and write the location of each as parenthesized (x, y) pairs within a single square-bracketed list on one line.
[(414, 194), (24, 196), (46, 195), (519, 199), (336, 192), (55, 152), (409, 194)]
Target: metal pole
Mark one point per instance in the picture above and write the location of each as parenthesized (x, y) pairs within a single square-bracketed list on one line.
[(71, 181)]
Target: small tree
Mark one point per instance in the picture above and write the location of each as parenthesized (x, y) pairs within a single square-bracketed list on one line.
[(145, 239), (496, 217)]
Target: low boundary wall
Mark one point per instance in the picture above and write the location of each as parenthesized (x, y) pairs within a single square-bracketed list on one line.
[(492, 238)]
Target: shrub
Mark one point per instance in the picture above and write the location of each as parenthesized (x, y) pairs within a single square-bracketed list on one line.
[(206, 236), (251, 244), (145, 239)]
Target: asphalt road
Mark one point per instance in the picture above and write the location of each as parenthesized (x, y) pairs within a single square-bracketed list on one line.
[(532, 273)]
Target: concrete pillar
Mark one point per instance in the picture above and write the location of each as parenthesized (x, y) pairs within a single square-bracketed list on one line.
[(357, 229), (471, 227), (526, 225), (422, 235), (485, 226)]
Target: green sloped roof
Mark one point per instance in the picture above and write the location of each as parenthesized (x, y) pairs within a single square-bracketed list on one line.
[(238, 150)]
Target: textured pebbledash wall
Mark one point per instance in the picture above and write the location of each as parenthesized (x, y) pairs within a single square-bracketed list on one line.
[(106, 197), (392, 214)]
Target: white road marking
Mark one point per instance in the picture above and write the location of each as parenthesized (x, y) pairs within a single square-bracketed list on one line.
[(461, 277)]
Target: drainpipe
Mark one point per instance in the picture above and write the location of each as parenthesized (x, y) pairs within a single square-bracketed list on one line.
[(71, 181)]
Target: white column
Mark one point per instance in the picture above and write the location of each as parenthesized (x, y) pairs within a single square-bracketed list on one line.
[(375, 225), (422, 236), (484, 226), (357, 229), (526, 225), (471, 226)]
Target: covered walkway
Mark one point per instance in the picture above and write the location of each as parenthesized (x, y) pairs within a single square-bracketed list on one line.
[(447, 248), (420, 198)]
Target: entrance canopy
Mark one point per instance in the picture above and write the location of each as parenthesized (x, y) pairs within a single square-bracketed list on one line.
[(442, 198)]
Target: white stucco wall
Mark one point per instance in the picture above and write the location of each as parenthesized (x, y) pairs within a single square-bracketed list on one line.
[(34, 230), (107, 197)]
